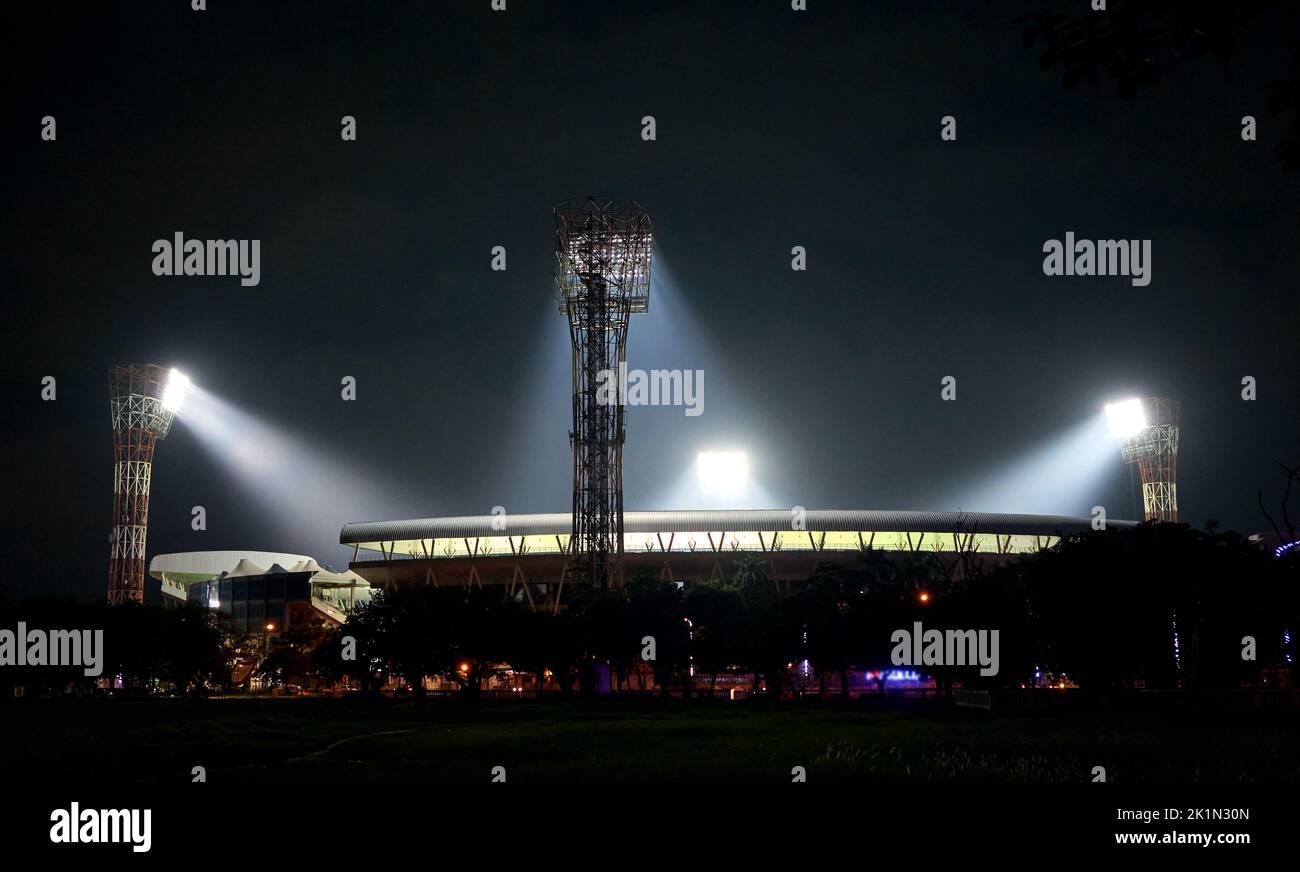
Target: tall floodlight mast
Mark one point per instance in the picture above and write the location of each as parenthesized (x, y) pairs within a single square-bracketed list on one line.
[(144, 399), (1153, 446), (602, 278)]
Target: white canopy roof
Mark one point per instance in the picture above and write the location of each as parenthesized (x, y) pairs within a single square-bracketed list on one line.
[(187, 566), (246, 567)]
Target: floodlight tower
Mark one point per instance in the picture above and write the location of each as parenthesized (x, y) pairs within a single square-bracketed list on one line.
[(1152, 444), (602, 278), (144, 399)]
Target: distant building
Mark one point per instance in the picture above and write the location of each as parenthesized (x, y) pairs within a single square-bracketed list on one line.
[(257, 589)]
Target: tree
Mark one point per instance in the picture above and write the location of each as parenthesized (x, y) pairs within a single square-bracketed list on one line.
[(766, 637), (714, 615), (657, 609), (1105, 604), (420, 631), (1138, 42), (1292, 473), (290, 657), (609, 633), (829, 607), (358, 638)]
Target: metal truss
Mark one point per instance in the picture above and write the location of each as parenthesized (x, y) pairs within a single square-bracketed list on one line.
[(1155, 450), (602, 278), (139, 421)]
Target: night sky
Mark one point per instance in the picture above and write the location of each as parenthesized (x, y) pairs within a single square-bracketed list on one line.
[(774, 129)]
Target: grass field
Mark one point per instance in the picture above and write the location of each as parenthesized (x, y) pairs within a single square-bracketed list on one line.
[(259, 740)]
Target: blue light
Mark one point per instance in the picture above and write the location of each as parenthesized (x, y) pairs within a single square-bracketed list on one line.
[(902, 675)]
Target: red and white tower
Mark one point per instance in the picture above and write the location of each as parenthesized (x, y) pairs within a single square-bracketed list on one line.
[(144, 399), (1150, 429)]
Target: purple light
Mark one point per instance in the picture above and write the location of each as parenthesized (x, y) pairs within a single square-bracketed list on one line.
[(888, 675), (1282, 549)]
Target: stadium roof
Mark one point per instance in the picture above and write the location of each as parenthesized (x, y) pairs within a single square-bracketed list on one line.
[(180, 570), (190, 566), (767, 520)]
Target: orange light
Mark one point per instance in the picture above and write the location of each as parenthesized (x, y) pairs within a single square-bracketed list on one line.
[(464, 667), (924, 597), (270, 628)]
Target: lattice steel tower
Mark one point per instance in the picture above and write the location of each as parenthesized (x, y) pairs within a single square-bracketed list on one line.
[(602, 278), (1154, 449), (143, 399)]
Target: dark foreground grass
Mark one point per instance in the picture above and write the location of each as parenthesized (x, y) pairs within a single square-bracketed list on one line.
[(609, 740)]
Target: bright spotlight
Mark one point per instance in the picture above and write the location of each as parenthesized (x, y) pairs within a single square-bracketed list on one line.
[(174, 394), (723, 472), (1126, 418)]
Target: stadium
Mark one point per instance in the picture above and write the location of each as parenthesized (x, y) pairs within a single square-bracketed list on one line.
[(255, 590), (530, 554), (602, 278)]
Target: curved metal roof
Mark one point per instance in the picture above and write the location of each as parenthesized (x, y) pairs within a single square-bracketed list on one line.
[(815, 520)]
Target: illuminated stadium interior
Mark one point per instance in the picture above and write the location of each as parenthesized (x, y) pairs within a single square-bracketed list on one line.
[(528, 552)]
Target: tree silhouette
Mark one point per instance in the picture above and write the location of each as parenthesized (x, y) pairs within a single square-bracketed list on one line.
[(1136, 43)]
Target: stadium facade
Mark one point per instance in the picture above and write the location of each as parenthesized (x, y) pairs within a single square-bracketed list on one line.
[(259, 589), (529, 553)]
